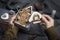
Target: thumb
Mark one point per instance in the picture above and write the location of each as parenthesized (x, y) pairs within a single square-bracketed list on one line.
[(44, 19)]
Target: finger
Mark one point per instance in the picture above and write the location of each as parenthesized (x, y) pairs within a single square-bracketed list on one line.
[(12, 19), (48, 17), (44, 19)]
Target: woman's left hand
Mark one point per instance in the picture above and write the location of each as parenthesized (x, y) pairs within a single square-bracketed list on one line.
[(49, 21)]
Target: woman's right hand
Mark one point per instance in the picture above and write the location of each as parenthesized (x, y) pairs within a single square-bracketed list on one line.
[(12, 20)]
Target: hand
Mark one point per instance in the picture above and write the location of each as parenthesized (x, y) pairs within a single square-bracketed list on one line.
[(49, 22), (12, 20)]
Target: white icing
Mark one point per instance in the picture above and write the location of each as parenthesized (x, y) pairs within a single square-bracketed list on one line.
[(5, 16), (33, 14), (36, 18), (36, 22)]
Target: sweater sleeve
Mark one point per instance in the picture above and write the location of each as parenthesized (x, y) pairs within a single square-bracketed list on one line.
[(10, 34), (52, 34)]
